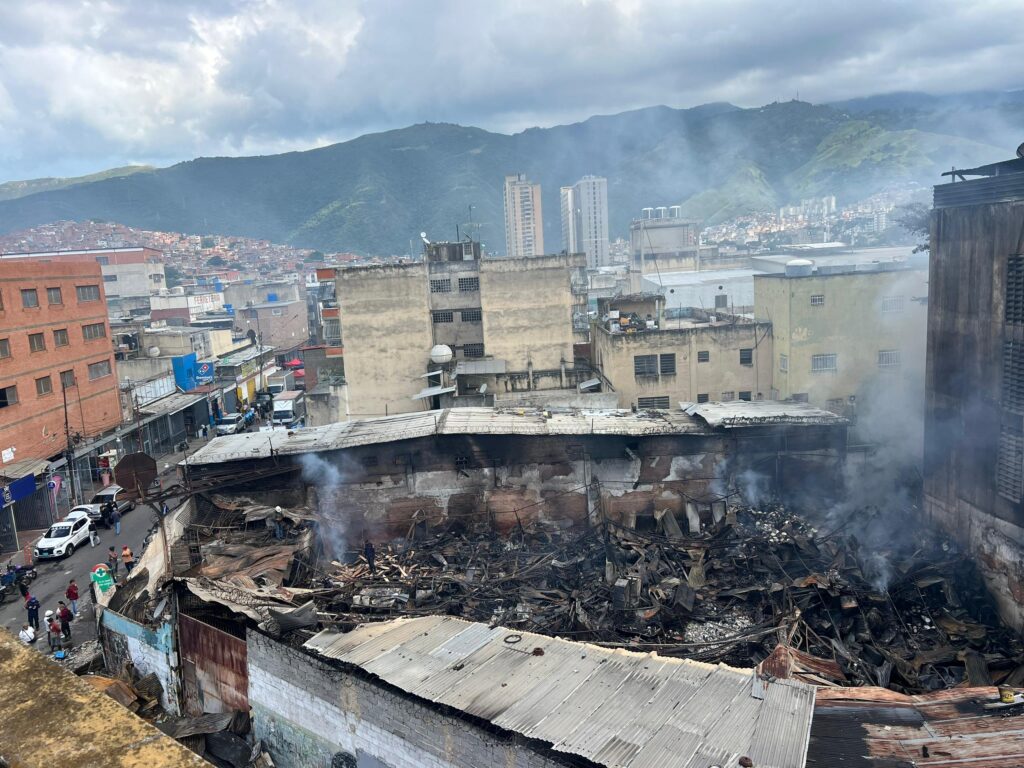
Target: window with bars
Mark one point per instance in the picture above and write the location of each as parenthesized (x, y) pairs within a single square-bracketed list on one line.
[(645, 365), (703, 356), (444, 317), (824, 363), (667, 364), (1013, 376), (94, 331), (54, 296), (727, 396), (818, 300), (332, 331), (441, 286), (473, 350), (702, 398), (746, 357), (36, 342), (1014, 311), (8, 396), (44, 386), (745, 395), (467, 284), (888, 358), (87, 292), (1010, 464), (653, 402), (29, 298), (471, 315), (784, 363), (892, 303), (462, 462), (99, 370)]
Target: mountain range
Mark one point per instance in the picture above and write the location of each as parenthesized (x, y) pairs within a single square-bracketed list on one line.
[(376, 193)]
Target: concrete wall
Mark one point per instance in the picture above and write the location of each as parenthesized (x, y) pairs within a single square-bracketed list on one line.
[(721, 375), (133, 279), (149, 650), (967, 403), (311, 715), (385, 317), (527, 306), (327, 407)]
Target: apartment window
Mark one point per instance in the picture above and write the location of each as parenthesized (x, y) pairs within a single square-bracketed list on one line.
[(44, 386), (746, 357), (835, 405), (54, 296), (667, 365), (469, 283), (722, 301), (645, 365), (745, 395), (892, 303), (441, 286), (1015, 290), (94, 331), (471, 315), (1010, 464), (444, 317), (5, 348), (87, 292), (103, 260), (824, 363), (727, 396), (110, 278), (704, 356), (653, 402), (332, 330), (67, 379), (799, 397), (8, 396), (784, 363), (1013, 376), (36, 342), (99, 370), (29, 298), (473, 350), (702, 398), (888, 358), (818, 300)]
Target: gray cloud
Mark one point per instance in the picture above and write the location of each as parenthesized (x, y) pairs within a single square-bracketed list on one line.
[(88, 85)]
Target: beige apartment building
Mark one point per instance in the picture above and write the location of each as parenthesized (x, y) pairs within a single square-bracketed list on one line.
[(654, 363), (845, 336), (524, 222), (508, 324)]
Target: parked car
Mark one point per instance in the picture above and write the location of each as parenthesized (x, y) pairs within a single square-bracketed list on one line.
[(230, 424), (114, 493), (62, 538)]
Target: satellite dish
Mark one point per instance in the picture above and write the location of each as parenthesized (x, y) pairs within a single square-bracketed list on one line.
[(441, 354), (423, 237)]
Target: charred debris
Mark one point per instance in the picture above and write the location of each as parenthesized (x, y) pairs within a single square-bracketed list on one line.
[(762, 586)]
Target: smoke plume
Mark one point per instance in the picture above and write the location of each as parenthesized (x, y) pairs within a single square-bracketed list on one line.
[(326, 478)]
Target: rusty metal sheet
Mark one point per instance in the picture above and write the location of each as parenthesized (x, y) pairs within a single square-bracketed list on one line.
[(220, 662)]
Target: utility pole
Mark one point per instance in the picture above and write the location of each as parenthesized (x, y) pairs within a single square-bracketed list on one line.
[(69, 452)]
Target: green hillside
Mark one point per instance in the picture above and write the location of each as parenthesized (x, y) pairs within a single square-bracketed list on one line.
[(14, 189), (376, 193)]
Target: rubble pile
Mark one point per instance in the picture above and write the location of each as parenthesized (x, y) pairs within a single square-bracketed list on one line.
[(761, 586)]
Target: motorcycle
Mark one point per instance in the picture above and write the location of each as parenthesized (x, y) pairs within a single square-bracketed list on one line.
[(18, 574)]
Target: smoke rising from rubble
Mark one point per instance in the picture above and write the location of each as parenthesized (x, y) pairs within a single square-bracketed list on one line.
[(326, 478)]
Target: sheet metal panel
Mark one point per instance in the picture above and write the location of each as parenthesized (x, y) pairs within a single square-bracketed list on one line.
[(603, 683), (783, 726)]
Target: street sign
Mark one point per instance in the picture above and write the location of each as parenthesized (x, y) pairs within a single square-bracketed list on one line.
[(102, 577)]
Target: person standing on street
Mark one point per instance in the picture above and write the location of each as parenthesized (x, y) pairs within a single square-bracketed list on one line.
[(128, 557), (65, 616), (71, 593), (115, 518), (94, 536), (53, 634), (112, 560), (32, 606)]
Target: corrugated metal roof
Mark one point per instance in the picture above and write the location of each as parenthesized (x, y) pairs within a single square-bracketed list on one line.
[(745, 413), (179, 401), (432, 391), (613, 707)]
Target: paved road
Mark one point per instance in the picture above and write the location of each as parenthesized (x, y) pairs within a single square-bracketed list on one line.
[(54, 576)]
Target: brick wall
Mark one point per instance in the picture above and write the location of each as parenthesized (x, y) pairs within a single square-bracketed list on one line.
[(312, 715)]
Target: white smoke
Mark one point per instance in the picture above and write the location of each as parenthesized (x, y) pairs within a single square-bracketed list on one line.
[(326, 479)]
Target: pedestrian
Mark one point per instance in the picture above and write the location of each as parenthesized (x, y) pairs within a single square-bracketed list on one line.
[(94, 535), (106, 509), (112, 560), (71, 593), (32, 606), (278, 524), (27, 634), (65, 616), (115, 518), (206, 431), (164, 509), (128, 557), (370, 554), (53, 633)]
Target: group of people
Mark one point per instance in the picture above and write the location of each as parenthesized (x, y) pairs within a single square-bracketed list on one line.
[(58, 622), (126, 557)]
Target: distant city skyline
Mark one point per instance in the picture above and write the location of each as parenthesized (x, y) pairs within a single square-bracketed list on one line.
[(86, 87)]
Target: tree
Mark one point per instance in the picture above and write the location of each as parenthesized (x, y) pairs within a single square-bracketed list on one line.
[(314, 256), (216, 261), (172, 276), (916, 219)]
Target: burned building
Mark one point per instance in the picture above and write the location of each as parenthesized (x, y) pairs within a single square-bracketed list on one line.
[(974, 427)]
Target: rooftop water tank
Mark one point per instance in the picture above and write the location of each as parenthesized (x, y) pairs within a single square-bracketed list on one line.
[(441, 354), (661, 212), (646, 213), (675, 212), (799, 268)]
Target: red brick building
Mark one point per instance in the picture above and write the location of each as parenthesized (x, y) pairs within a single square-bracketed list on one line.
[(54, 335)]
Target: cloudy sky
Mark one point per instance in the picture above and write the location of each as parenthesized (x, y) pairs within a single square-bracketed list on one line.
[(90, 85)]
